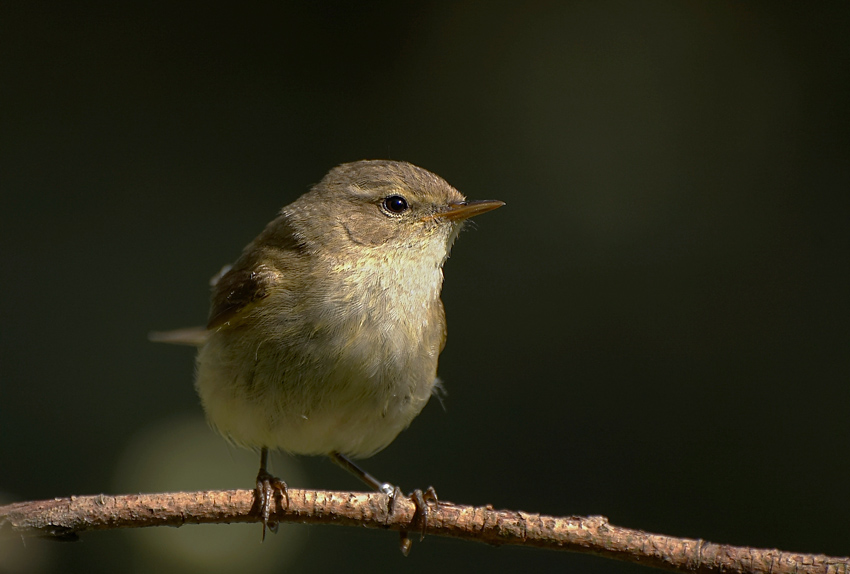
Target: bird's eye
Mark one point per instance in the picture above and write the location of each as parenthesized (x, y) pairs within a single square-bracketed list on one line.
[(395, 204)]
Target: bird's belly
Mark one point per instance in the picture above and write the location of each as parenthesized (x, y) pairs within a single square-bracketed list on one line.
[(306, 401)]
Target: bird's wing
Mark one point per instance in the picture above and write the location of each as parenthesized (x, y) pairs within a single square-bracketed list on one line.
[(235, 289), (268, 264), (239, 289), (261, 269), (442, 318)]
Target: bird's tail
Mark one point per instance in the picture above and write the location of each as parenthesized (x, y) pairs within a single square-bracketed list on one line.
[(195, 336)]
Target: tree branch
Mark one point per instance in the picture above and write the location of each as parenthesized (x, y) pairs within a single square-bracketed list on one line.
[(65, 517)]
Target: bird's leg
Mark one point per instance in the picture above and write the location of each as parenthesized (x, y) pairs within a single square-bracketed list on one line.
[(268, 486), (420, 500), (364, 476)]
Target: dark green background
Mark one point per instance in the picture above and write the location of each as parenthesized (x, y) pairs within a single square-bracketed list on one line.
[(655, 327)]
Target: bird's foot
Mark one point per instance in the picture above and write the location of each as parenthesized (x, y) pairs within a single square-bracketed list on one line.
[(422, 501), (268, 488)]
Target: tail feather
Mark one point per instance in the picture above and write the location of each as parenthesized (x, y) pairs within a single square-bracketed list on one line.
[(194, 336)]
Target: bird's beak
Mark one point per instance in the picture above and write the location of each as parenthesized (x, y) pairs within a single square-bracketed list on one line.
[(467, 209)]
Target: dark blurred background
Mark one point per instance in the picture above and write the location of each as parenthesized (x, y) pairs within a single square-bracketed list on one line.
[(654, 328)]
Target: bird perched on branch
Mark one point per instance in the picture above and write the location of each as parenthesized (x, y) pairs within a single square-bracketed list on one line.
[(323, 337)]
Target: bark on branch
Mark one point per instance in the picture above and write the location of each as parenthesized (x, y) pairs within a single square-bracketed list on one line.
[(65, 517)]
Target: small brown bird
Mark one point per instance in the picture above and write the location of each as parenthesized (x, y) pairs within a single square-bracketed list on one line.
[(323, 337)]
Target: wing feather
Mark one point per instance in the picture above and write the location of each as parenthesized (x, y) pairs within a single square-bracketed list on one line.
[(265, 265)]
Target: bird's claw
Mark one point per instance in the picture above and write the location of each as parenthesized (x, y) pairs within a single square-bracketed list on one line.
[(268, 486), (421, 500)]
